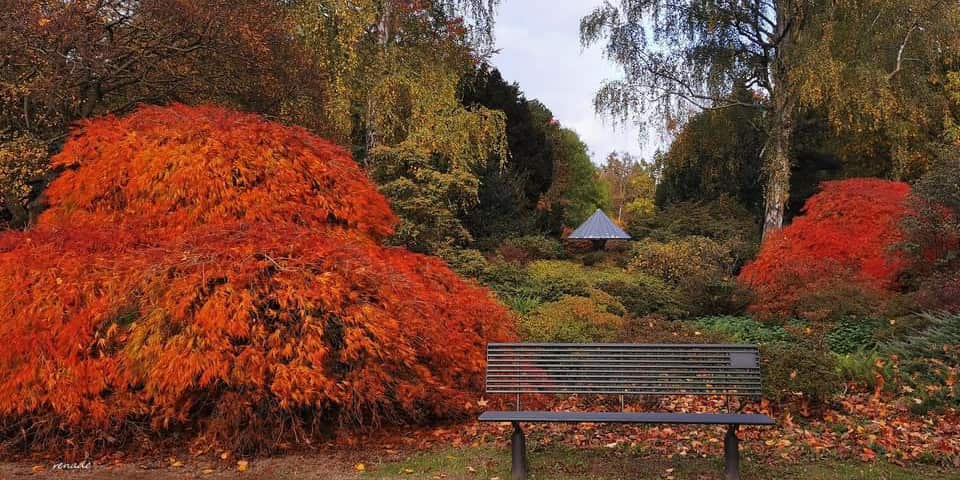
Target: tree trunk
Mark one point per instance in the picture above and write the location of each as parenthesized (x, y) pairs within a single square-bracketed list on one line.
[(383, 39), (778, 150), (776, 168)]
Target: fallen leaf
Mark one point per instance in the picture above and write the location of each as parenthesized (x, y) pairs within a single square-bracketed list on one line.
[(242, 465), (360, 467)]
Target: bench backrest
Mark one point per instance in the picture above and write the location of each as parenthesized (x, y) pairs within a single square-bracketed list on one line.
[(623, 369)]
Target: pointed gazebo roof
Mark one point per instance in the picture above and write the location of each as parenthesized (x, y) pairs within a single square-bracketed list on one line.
[(599, 227)]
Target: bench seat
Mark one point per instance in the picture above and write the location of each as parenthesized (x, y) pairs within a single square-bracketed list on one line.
[(628, 417)]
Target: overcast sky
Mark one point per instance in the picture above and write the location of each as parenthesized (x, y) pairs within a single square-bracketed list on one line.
[(539, 43)]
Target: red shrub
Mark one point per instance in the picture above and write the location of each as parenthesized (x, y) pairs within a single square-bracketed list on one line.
[(840, 249), (208, 272)]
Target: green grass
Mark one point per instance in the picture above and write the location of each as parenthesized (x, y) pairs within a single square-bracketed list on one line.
[(560, 463)]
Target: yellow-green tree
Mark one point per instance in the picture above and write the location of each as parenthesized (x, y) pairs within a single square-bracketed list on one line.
[(631, 185), (395, 68)]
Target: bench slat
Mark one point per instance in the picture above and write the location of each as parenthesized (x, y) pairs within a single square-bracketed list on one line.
[(628, 417), (641, 369)]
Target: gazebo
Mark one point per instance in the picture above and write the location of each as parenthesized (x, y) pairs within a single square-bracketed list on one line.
[(598, 228)]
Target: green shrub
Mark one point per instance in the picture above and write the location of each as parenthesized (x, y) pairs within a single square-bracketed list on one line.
[(799, 366), (523, 304), (679, 259), (743, 329), (607, 302), (723, 220), (700, 268), (573, 319), (940, 333), (552, 279), (852, 335), (466, 262), (641, 294), (530, 247), (505, 278)]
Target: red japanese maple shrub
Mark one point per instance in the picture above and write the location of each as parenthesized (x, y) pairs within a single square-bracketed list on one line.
[(211, 275), (838, 257)]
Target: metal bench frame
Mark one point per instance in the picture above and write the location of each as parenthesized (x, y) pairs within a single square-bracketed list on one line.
[(624, 369)]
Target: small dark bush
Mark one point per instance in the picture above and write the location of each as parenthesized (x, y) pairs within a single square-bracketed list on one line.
[(799, 367), (591, 259), (839, 299), (932, 234)]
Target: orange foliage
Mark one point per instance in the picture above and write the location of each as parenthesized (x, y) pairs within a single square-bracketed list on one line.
[(206, 271), (844, 240)]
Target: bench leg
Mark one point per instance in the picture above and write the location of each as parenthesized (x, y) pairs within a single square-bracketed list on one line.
[(731, 454), (518, 451)]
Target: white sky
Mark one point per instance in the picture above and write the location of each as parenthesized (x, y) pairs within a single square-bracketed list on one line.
[(539, 43)]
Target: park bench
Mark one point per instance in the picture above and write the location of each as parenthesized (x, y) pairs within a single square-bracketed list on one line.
[(623, 369)]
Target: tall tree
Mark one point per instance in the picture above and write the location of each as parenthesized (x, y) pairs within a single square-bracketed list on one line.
[(529, 152), (510, 187), (860, 57)]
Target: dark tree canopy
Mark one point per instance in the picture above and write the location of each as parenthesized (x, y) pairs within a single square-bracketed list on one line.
[(529, 156), (716, 153)]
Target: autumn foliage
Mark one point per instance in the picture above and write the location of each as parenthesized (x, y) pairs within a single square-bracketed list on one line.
[(842, 245), (212, 275)]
